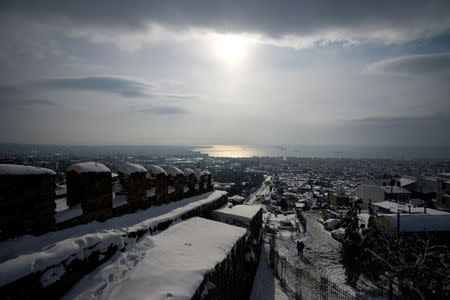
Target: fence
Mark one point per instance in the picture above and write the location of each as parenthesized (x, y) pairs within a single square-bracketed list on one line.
[(300, 283)]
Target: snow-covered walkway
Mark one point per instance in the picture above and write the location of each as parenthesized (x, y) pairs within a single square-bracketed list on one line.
[(265, 285)]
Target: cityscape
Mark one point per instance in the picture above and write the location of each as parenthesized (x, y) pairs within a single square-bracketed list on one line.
[(307, 200), (223, 149)]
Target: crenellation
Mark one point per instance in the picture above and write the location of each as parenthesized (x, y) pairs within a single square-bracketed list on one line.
[(27, 201)]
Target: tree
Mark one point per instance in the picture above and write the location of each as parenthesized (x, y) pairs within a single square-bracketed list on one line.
[(351, 246), (417, 263)]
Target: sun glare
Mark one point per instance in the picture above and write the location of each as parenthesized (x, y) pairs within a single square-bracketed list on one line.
[(231, 48)]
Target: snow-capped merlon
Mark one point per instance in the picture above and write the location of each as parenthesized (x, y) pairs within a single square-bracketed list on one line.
[(89, 167), (129, 168), (188, 171), (174, 171), (156, 170), (198, 174), (10, 169)]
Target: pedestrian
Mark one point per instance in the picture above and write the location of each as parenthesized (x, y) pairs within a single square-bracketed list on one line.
[(300, 247)]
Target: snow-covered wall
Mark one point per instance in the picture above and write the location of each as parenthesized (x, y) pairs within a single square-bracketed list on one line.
[(28, 194), (249, 217), (194, 258), (51, 271)]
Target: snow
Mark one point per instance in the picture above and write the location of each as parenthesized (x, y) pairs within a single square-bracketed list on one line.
[(174, 171), (150, 192), (68, 214), (120, 200), (170, 189), (420, 223), (61, 204), (129, 168), (265, 285), (156, 170), (10, 169), (198, 174), (27, 254), (394, 190), (171, 264), (264, 192), (321, 255), (394, 207), (188, 171), (89, 167), (206, 172), (331, 224), (244, 214), (416, 202), (236, 198), (52, 275)]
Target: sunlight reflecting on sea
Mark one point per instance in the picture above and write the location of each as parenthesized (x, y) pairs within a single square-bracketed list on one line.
[(229, 151), (336, 151)]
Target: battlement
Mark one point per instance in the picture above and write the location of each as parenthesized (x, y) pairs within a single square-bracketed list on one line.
[(27, 194)]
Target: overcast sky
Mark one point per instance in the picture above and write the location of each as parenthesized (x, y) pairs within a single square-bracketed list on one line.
[(225, 72)]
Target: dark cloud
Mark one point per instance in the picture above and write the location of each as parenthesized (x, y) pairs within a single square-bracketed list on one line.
[(420, 130), (13, 97), (414, 64), (273, 18), (163, 110), (24, 103), (118, 85)]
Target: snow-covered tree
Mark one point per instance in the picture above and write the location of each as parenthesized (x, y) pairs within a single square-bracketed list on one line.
[(351, 250)]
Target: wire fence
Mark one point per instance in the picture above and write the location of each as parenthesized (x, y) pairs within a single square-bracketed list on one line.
[(300, 283)]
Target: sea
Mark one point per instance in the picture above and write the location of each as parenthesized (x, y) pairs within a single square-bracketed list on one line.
[(327, 151)]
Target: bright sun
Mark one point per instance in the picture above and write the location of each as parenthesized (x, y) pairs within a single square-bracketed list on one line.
[(230, 48)]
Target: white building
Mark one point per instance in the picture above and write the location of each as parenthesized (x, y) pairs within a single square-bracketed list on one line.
[(443, 192), (377, 190), (369, 191)]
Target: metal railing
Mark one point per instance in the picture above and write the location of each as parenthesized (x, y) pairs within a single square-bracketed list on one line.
[(300, 283)]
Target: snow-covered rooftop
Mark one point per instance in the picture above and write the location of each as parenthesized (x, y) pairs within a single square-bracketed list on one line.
[(394, 190), (241, 213), (129, 168), (394, 207), (89, 167), (171, 264), (10, 169), (155, 170), (420, 223), (174, 171)]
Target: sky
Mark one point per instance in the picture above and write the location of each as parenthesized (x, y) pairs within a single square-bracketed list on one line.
[(225, 72)]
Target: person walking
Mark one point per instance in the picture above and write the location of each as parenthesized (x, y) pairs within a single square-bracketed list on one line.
[(300, 247)]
